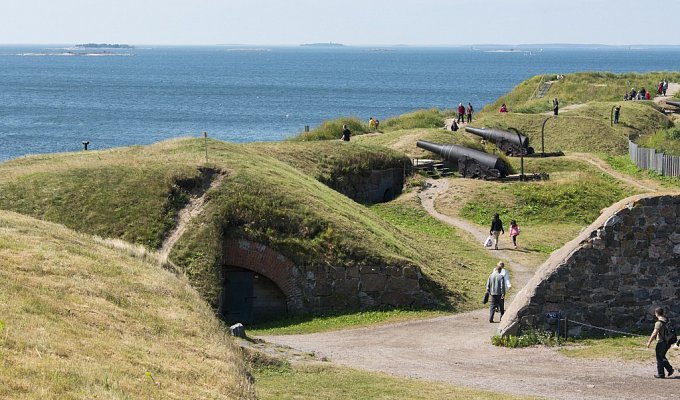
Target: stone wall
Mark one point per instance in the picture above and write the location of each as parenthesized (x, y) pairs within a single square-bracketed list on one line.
[(321, 289), (613, 275), (376, 187)]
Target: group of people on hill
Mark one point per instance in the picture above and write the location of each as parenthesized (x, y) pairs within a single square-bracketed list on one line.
[(642, 94), (464, 115)]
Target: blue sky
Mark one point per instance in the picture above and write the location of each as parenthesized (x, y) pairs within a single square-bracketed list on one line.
[(367, 22)]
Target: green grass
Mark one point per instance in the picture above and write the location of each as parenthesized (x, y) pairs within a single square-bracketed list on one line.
[(617, 348), (303, 324), (665, 141), (457, 266), (332, 162), (81, 319), (329, 382), (576, 88), (578, 201), (526, 339), (332, 129), (564, 133), (432, 118), (132, 201), (625, 165)]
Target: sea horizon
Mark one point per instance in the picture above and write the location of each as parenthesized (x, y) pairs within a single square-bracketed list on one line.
[(52, 99)]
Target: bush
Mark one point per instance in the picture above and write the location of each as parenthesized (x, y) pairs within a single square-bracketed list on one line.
[(432, 118), (332, 129), (529, 338), (666, 141)]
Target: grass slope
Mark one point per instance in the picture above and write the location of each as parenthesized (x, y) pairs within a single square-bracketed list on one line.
[(272, 195), (79, 319), (578, 88), (131, 194)]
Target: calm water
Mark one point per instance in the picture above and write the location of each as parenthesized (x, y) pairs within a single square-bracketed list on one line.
[(51, 100)]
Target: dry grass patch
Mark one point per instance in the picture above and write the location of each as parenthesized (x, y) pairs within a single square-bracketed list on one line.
[(84, 320)]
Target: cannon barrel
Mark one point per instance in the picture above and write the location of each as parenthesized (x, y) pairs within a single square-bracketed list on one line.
[(673, 103), (509, 142), (454, 153)]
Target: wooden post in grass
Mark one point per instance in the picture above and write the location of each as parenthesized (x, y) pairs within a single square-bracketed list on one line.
[(205, 136)]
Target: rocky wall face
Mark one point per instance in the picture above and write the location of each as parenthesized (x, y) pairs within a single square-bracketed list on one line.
[(328, 288), (613, 275), (376, 187)]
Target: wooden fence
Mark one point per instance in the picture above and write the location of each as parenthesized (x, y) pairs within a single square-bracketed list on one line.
[(649, 159)]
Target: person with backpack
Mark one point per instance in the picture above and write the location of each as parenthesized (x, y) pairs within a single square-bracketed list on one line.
[(665, 335)]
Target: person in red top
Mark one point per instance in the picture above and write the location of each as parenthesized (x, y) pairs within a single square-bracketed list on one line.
[(461, 113), (503, 109)]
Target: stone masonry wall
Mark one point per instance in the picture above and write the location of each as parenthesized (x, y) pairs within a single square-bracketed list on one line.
[(320, 289), (377, 187), (613, 275)]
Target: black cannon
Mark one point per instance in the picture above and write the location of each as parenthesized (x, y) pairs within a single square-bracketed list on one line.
[(471, 163), (509, 142), (673, 103)]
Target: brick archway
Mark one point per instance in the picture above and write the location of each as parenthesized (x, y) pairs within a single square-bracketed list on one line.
[(265, 261)]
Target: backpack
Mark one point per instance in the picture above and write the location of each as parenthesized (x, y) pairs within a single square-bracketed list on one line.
[(669, 334)]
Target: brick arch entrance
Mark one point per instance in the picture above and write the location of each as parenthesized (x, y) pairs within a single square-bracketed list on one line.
[(258, 283)]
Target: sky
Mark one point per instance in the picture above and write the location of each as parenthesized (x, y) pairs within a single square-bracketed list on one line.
[(351, 22)]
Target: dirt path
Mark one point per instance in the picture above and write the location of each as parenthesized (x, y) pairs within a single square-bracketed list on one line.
[(646, 185), (456, 349), (520, 273), (673, 88), (192, 209)]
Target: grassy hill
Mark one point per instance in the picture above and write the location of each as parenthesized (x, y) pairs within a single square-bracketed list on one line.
[(81, 319), (272, 194), (578, 88)]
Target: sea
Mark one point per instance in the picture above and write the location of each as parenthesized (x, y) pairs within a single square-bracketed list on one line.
[(52, 98)]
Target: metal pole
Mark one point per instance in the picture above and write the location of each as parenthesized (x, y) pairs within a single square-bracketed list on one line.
[(542, 136), (521, 153), (205, 136)]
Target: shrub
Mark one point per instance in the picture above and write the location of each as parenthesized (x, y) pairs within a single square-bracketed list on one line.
[(432, 118), (332, 129), (529, 338)]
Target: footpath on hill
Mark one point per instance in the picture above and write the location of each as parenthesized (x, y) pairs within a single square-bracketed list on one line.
[(456, 349)]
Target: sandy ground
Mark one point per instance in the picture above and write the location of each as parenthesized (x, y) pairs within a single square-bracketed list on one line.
[(456, 349)]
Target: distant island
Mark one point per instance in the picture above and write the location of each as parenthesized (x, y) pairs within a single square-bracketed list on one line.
[(104, 46), (329, 44)]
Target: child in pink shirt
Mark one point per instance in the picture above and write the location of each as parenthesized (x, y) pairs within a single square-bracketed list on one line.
[(514, 231)]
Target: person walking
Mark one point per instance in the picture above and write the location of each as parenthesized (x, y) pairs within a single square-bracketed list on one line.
[(371, 124), (662, 344), (461, 113), (617, 112), (346, 133), (506, 275), (469, 110), (514, 232), (556, 106), (495, 286), (496, 229), (665, 86)]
